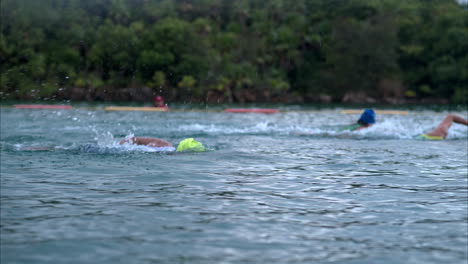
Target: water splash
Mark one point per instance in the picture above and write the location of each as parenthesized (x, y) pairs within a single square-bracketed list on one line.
[(387, 128), (106, 143), (124, 148), (105, 139)]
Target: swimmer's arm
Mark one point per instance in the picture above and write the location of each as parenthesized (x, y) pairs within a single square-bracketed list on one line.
[(150, 142), (131, 140), (359, 128), (442, 129), (153, 142), (362, 127), (459, 120)]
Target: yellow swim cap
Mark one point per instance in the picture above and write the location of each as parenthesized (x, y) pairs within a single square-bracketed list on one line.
[(191, 145)]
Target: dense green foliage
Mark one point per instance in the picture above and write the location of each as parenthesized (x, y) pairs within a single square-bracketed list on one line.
[(234, 51)]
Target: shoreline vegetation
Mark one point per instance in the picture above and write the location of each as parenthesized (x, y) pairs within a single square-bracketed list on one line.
[(245, 51)]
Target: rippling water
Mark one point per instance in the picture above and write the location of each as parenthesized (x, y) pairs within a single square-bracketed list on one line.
[(282, 188)]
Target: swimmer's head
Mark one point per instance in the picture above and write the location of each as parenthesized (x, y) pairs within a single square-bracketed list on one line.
[(190, 144), (367, 117)]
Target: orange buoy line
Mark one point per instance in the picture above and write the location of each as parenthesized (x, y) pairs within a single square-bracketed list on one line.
[(164, 109), (252, 110)]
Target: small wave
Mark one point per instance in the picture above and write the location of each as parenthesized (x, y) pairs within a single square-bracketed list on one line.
[(257, 128), (22, 147), (89, 148), (391, 128), (117, 148), (402, 129)]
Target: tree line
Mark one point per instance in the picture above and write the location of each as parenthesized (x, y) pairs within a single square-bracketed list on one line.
[(235, 51)]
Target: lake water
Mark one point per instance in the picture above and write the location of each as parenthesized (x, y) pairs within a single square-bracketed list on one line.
[(280, 188)]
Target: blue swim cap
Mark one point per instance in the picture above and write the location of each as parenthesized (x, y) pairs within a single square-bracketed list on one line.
[(367, 117)]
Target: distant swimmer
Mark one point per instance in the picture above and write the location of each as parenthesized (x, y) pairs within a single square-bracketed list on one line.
[(188, 144), (441, 131), (159, 102), (366, 120)]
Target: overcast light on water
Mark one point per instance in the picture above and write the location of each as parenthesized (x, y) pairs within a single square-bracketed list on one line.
[(280, 188)]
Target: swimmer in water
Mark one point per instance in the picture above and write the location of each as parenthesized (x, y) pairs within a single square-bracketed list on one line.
[(159, 102), (188, 144), (441, 131), (366, 120)]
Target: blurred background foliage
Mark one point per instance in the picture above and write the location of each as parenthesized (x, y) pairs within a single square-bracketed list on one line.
[(235, 51)]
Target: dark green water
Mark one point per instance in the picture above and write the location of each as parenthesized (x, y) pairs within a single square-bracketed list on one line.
[(282, 188)]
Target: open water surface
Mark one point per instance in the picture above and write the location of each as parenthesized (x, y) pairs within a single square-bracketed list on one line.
[(280, 188)]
